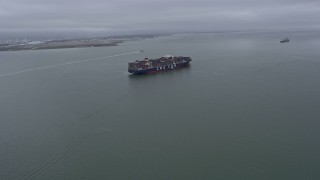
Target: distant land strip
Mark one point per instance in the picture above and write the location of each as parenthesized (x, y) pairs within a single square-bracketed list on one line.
[(68, 43)]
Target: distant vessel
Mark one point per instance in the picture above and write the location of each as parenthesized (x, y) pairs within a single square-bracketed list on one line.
[(164, 63), (285, 40)]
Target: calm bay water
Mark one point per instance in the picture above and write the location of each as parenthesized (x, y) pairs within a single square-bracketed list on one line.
[(246, 108)]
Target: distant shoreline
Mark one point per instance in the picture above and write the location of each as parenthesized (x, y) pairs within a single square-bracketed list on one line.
[(70, 43)]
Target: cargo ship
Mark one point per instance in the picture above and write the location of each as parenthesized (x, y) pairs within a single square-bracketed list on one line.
[(164, 63), (285, 40)]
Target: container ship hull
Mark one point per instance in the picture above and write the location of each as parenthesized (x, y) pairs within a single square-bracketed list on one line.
[(166, 63)]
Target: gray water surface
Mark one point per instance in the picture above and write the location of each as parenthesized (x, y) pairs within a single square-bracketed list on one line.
[(246, 108)]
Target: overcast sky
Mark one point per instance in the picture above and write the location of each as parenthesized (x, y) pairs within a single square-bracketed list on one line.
[(125, 16)]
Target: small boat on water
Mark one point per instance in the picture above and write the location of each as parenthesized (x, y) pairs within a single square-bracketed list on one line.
[(285, 40)]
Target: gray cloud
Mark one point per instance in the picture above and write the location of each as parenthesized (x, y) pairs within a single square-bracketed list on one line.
[(114, 16)]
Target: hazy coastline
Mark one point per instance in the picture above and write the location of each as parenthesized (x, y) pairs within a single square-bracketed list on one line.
[(28, 44)]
